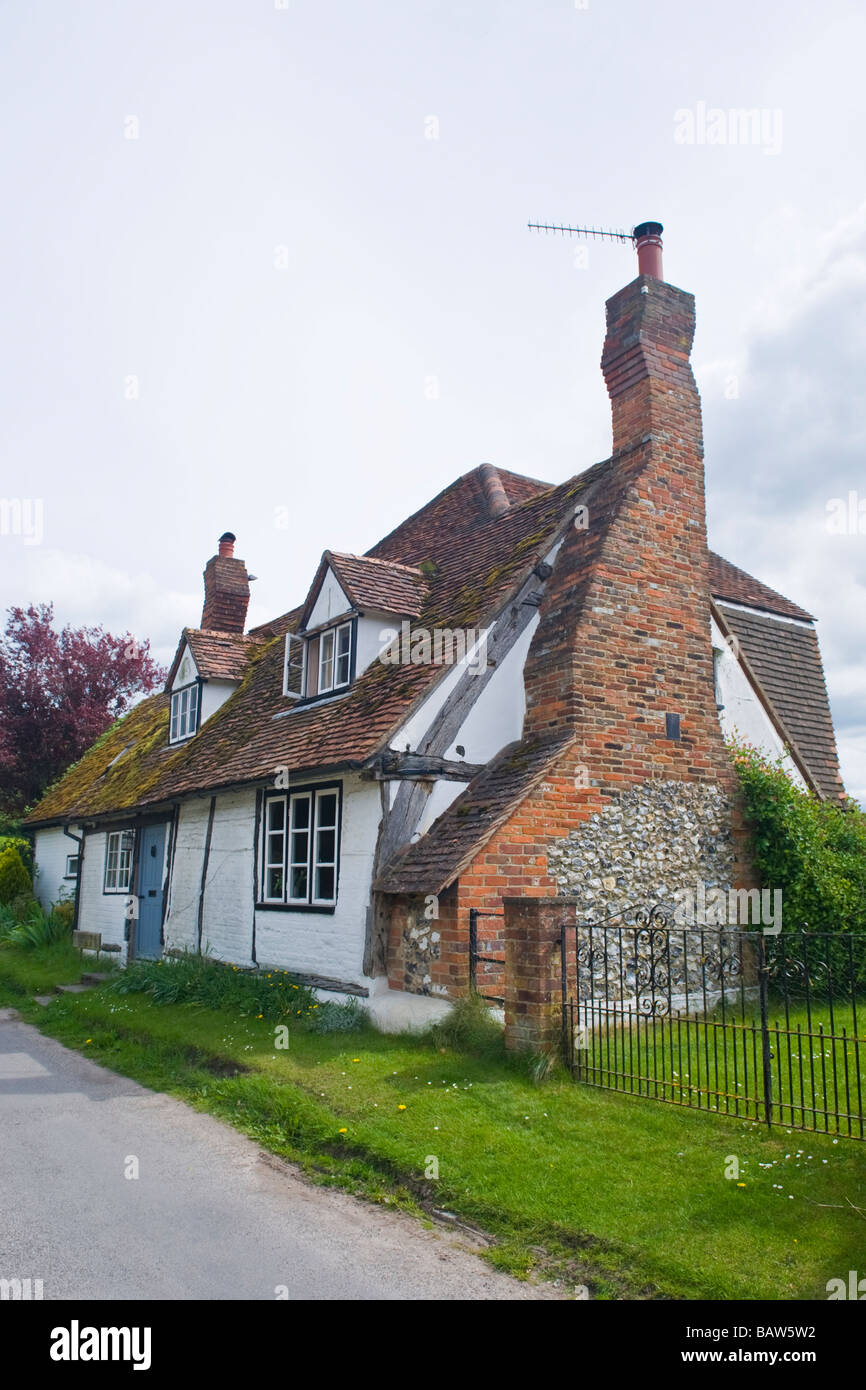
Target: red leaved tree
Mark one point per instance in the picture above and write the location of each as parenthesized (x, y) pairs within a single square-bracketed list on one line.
[(59, 690)]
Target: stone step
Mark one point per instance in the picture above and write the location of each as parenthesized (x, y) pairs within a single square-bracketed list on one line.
[(72, 989), (9, 1015), (44, 999), (95, 977)]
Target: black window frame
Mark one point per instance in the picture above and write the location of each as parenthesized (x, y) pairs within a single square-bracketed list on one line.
[(311, 791)]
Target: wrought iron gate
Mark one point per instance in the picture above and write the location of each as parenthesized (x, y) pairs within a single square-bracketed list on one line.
[(763, 1027)]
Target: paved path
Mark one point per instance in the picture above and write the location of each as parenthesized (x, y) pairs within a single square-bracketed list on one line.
[(208, 1218)]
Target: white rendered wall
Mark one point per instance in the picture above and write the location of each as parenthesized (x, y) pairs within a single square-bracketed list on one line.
[(50, 850), (98, 911), (181, 921), (331, 944), (330, 603), (213, 694), (743, 715), (187, 671), (227, 922)]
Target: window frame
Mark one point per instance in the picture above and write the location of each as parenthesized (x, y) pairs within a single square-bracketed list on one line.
[(72, 873), (174, 719), (312, 794), (313, 661), (119, 888)]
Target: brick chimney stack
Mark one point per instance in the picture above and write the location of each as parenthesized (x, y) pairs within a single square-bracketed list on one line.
[(226, 589)]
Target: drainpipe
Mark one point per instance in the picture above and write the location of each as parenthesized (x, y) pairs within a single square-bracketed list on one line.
[(79, 840)]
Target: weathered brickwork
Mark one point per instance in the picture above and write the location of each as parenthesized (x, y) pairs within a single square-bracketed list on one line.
[(623, 643)]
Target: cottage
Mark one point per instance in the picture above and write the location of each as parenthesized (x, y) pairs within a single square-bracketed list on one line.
[(326, 795)]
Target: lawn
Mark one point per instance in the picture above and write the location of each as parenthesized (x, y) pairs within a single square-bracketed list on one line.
[(625, 1196)]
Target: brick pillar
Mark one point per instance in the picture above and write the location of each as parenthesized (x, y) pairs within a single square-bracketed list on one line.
[(533, 976)]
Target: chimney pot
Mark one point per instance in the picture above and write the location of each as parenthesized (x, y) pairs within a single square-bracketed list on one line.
[(227, 543), (648, 240)]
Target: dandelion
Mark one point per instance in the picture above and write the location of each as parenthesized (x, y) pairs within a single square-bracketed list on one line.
[(401, 1107), (87, 1040), (259, 1015), (741, 1184), (342, 1131), (356, 1059)]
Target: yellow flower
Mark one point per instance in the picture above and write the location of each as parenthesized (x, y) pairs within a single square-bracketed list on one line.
[(87, 1040), (741, 1184), (401, 1107), (259, 1015), (356, 1059), (342, 1131)]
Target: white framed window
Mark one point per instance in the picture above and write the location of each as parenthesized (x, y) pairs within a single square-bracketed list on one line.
[(118, 861), (294, 666), (335, 657), (71, 866), (184, 713), (300, 859)]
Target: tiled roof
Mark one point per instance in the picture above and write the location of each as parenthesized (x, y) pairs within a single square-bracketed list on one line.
[(726, 581), (471, 565), (217, 655), (787, 661), (452, 842), (475, 563), (369, 583)]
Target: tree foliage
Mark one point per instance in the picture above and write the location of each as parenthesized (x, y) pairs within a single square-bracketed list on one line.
[(59, 690)]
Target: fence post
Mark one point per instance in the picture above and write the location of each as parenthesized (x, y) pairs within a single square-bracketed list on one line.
[(763, 972)]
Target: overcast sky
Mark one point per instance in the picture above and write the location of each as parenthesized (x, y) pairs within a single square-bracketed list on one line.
[(264, 255)]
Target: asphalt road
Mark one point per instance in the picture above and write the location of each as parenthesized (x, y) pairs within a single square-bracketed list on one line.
[(208, 1217)]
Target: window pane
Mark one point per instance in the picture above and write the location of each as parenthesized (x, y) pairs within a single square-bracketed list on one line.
[(326, 846), (193, 709), (344, 647), (326, 661), (276, 814), (274, 884), (325, 883), (326, 810), (300, 812), (174, 703), (299, 882)]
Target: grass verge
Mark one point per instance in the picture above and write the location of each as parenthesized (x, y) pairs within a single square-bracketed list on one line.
[(628, 1197)]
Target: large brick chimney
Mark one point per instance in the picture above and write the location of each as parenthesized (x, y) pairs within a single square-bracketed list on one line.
[(622, 653), (226, 590)]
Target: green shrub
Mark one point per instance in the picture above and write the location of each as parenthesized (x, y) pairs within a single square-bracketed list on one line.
[(814, 850), (63, 912), (23, 846), (468, 1027), (14, 878), (34, 929)]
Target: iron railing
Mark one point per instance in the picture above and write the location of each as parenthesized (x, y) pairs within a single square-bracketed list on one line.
[(760, 1026)]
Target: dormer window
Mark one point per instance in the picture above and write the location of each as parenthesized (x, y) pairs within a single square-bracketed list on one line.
[(319, 664), (184, 713)]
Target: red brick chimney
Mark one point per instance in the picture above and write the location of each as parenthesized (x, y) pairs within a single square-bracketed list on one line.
[(226, 589), (622, 653)]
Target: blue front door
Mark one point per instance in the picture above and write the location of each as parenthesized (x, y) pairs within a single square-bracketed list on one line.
[(151, 854)]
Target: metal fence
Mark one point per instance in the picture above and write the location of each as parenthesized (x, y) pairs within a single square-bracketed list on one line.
[(742, 1023)]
